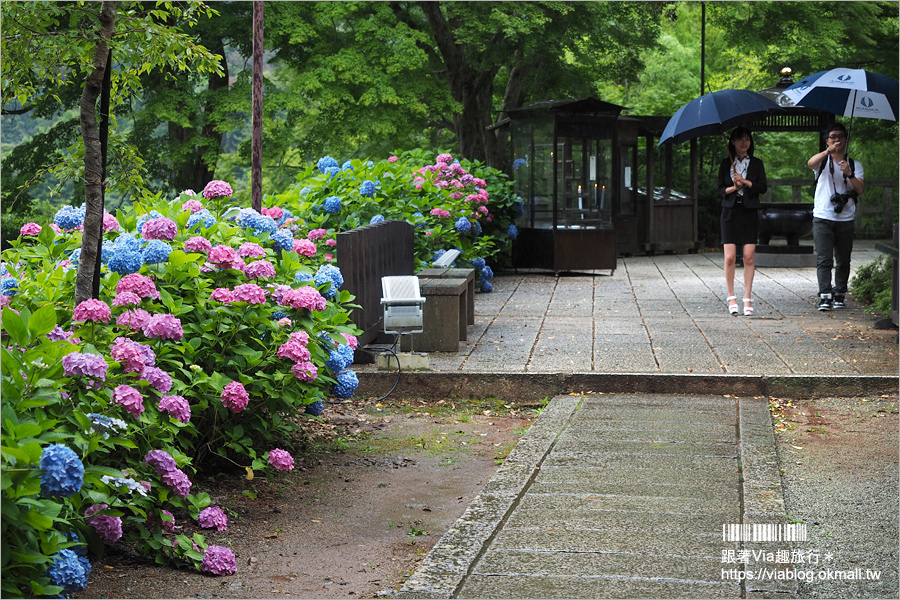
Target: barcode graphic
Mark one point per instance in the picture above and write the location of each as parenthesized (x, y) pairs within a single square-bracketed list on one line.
[(764, 532)]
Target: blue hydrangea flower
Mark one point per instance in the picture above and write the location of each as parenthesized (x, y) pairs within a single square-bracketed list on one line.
[(201, 217), (154, 214), (128, 240), (283, 240), (487, 273), (315, 409), (75, 256), (69, 217), (438, 254), (157, 251), (3, 271), (519, 207), (63, 472), (332, 205), (325, 163), (329, 274), (512, 232), (285, 215), (367, 189), (519, 162), (132, 485), (376, 219), (69, 571), (418, 220), (478, 263), (340, 358), (346, 384), (103, 424), (278, 315), (347, 166), (81, 549), (476, 228), (9, 286), (300, 276), (106, 251), (487, 287), (125, 261), (462, 225)]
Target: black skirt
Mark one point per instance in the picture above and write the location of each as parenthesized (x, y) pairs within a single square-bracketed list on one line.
[(740, 225)]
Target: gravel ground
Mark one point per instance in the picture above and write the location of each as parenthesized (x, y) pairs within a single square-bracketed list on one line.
[(839, 459)]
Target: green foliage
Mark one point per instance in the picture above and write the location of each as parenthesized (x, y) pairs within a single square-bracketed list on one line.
[(409, 189), (872, 285)]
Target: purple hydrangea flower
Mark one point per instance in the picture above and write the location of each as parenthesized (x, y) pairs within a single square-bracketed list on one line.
[(218, 560), (213, 516)]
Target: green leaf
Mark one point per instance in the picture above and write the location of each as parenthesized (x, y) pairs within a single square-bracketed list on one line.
[(42, 321), (15, 327)]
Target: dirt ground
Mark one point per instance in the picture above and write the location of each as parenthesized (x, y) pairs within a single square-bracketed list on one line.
[(379, 486)]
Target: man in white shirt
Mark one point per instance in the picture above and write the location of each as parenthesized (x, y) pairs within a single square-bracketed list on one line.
[(839, 183)]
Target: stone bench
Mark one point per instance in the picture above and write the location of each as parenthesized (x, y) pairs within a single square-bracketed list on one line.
[(448, 273), (446, 315)]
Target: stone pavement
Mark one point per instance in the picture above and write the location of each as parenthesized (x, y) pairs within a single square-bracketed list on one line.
[(658, 434)]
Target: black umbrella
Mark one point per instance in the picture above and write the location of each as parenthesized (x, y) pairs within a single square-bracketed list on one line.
[(713, 113)]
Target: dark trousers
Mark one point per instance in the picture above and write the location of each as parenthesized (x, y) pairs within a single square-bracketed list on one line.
[(834, 244)]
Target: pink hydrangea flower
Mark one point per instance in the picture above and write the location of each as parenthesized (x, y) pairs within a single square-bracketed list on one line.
[(222, 295), (351, 341), (251, 250), (275, 212), (92, 310), (306, 297), (126, 299), (161, 461), (166, 521), (191, 205), (222, 256), (393, 159), (329, 258), (218, 560), (250, 293), (294, 351), (130, 399), (316, 234), (30, 229), (108, 527), (235, 397), (178, 481), (238, 264), (445, 158), (331, 242), (305, 371), (158, 379), (176, 406), (213, 516), (160, 229), (77, 364), (132, 356), (141, 285), (110, 223), (439, 212), (284, 322), (301, 337), (164, 327), (217, 188), (258, 269), (198, 243), (133, 319), (281, 459), (304, 247)]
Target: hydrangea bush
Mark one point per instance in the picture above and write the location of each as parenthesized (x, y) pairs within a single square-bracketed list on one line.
[(211, 338), (451, 203)]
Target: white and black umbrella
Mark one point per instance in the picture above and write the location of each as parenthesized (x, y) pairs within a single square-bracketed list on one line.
[(847, 93)]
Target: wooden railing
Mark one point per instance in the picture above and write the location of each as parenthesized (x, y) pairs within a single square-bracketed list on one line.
[(879, 200), (367, 254)]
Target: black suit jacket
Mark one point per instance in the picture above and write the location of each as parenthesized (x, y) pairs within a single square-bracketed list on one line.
[(756, 174)]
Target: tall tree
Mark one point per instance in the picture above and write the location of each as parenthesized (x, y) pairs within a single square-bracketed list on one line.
[(50, 48)]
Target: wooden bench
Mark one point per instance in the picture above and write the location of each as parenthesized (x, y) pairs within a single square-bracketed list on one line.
[(459, 273)]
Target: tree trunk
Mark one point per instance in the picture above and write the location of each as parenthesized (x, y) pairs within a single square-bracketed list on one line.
[(256, 121), (93, 161)]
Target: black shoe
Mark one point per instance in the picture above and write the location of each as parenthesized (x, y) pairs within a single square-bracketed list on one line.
[(839, 301), (825, 302)]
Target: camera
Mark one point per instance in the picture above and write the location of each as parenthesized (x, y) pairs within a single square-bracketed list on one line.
[(840, 200)]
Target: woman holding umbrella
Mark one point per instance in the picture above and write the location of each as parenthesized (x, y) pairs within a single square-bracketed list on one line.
[(742, 179)]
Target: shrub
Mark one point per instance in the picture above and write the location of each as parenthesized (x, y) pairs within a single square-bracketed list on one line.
[(872, 285), (110, 407)]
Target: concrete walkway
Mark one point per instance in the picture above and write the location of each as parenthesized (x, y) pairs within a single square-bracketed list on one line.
[(625, 495)]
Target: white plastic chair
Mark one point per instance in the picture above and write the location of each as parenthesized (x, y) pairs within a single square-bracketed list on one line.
[(403, 305), (447, 258)]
